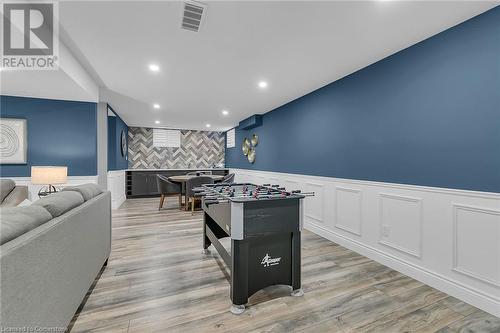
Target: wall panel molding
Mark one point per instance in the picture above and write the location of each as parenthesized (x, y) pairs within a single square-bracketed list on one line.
[(348, 214), (273, 180), (391, 213), (477, 223), (315, 208)]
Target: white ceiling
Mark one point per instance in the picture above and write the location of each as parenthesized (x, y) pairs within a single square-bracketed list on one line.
[(56, 85), (296, 47)]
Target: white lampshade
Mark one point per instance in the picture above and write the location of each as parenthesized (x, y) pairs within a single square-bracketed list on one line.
[(49, 175)]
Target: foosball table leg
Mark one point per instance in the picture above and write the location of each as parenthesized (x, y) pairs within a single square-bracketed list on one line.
[(296, 278), (239, 275), (298, 292), (206, 241), (237, 309)]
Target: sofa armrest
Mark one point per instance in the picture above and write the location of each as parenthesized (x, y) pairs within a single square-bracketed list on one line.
[(18, 195)]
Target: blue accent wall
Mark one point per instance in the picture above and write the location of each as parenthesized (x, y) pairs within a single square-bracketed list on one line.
[(115, 127), (428, 115), (59, 133), (112, 143)]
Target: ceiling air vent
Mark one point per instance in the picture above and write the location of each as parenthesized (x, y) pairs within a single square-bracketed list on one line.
[(193, 13)]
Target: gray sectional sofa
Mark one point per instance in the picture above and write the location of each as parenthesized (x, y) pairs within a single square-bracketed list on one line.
[(50, 254), (11, 194)]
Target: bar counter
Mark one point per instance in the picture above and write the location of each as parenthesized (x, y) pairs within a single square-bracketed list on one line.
[(141, 183)]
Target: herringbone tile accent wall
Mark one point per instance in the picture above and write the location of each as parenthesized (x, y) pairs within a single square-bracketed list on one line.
[(199, 149)]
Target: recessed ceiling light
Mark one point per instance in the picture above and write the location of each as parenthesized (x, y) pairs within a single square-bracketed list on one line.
[(156, 106), (225, 112), (157, 121), (154, 67), (262, 84), (208, 125)]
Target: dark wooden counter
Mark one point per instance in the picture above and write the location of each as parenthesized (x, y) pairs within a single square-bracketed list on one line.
[(141, 183)]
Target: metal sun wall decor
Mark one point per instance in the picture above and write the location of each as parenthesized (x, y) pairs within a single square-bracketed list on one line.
[(248, 147)]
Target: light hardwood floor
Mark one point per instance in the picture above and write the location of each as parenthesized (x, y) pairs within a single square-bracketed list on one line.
[(157, 280)]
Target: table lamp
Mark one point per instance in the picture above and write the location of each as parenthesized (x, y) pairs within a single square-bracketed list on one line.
[(48, 176)]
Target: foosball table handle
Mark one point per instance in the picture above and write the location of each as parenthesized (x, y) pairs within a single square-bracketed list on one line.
[(210, 202)]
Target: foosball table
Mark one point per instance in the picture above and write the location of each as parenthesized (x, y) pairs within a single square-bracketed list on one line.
[(264, 223)]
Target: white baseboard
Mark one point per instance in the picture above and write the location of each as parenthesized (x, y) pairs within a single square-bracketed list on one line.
[(446, 238)]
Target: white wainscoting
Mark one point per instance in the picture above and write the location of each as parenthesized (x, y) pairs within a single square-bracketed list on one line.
[(33, 189), (348, 209), (314, 206), (448, 239), (476, 234), (116, 184), (401, 223)]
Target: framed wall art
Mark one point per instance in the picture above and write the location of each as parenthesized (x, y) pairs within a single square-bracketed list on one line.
[(13, 141)]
